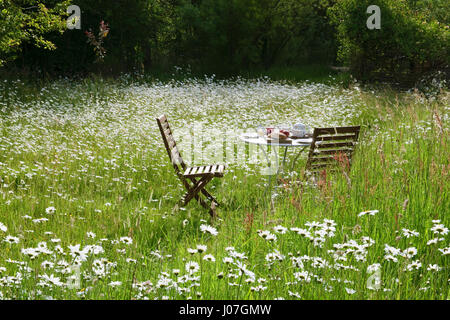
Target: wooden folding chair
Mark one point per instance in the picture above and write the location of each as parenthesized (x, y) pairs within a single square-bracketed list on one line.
[(199, 176), (331, 149)]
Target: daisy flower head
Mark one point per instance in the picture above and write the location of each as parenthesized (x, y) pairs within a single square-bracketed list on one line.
[(434, 267), (303, 276), (410, 252), (91, 235), (192, 251), (115, 284), (369, 212), (350, 291), (267, 235), (11, 239), (280, 229), (302, 232), (439, 229), (410, 233), (126, 240), (227, 260), (50, 210), (445, 251), (192, 267), (415, 265), (209, 257), (208, 229), (373, 267)]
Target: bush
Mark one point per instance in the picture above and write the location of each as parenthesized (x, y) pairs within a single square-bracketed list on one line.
[(410, 43)]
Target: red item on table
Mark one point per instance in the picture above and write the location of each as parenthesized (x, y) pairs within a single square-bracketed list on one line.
[(287, 133)]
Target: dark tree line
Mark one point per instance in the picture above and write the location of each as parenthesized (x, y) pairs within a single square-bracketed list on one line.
[(228, 36)]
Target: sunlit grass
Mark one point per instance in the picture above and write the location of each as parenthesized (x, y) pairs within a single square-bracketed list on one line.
[(85, 156)]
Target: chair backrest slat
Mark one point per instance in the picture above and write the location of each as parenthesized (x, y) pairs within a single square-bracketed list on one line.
[(170, 144), (332, 146)]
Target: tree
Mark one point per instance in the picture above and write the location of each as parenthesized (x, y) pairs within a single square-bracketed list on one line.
[(29, 22)]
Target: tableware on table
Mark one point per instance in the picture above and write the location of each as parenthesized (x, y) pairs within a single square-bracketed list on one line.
[(260, 132), (269, 130), (299, 130)]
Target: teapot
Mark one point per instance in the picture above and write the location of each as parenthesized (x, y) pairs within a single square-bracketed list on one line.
[(299, 130)]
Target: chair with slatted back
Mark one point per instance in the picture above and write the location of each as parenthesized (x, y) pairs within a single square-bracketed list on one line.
[(198, 176), (332, 149)]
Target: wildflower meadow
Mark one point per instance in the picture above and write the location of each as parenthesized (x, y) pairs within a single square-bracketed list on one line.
[(89, 199)]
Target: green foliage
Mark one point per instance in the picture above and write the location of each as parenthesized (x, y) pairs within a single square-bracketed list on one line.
[(409, 43), (247, 33), (29, 21), (231, 36), (209, 35)]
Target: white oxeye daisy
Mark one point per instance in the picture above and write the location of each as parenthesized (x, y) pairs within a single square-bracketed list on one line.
[(313, 224), (294, 294), (192, 251), (439, 229), (50, 210), (201, 248), (330, 223), (11, 239), (115, 284), (369, 212), (410, 233), (280, 229), (433, 267), (302, 276), (432, 241), (32, 253), (350, 291), (208, 229), (249, 280), (373, 267), (91, 235), (415, 265), (192, 267), (227, 260), (410, 252), (3, 227), (302, 232), (445, 251), (209, 257), (126, 240)]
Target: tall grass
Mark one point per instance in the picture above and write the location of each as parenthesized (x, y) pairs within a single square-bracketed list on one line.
[(87, 157)]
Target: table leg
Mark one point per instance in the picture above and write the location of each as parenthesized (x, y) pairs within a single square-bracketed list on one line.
[(269, 173), (296, 157), (283, 162)]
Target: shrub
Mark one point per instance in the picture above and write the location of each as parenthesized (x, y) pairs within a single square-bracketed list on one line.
[(409, 44)]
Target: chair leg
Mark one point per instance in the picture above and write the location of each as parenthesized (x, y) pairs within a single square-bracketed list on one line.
[(210, 197), (192, 192), (207, 194)]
